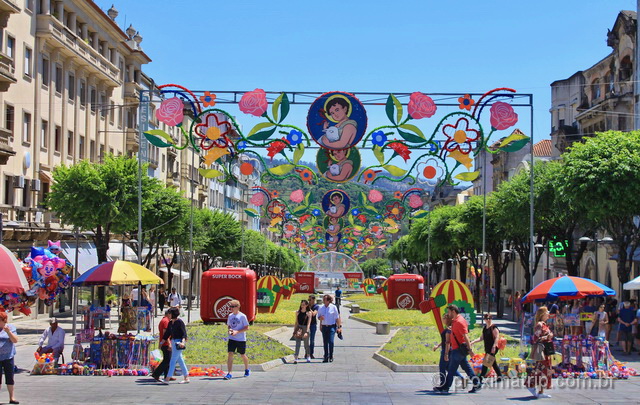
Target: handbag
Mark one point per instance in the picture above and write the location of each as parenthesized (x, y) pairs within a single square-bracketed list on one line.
[(537, 352), (462, 347), (299, 334), (548, 348), (181, 346), (488, 360)]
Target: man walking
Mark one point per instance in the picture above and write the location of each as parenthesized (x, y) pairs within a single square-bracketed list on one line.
[(330, 324), (461, 348), (338, 297), (163, 367), (313, 307)]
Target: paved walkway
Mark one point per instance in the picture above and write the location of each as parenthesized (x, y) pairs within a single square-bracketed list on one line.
[(354, 377)]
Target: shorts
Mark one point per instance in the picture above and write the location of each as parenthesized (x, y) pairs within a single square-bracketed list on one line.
[(236, 346), (6, 368), (625, 336)]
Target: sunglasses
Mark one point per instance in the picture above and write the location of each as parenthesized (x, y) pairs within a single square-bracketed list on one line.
[(488, 317), (233, 306)]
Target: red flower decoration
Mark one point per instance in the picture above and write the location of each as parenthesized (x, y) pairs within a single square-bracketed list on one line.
[(276, 209), (275, 194), (502, 116), (466, 102), (401, 149), (208, 99), (254, 102), (397, 194), (369, 175), (306, 175), (421, 106), (274, 148), (460, 136), (362, 218), (304, 218), (395, 211), (171, 111)]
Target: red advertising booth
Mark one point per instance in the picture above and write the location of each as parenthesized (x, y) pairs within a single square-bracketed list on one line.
[(221, 285), (305, 282), (405, 291)]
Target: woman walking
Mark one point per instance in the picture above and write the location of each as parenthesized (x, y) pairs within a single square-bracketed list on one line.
[(8, 340), (177, 332), (540, 377), (445, 348), (600, 321), (301, 331), (518, 305), (162, 298), (490, 335)]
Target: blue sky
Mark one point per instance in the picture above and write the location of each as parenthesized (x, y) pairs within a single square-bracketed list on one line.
[(400, 46)]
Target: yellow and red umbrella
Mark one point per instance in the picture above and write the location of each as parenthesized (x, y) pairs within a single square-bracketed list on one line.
[(369, 287), (273, 285), (447, 292), (117, 272), (288, 284)]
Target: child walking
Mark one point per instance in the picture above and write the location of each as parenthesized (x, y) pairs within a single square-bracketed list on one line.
[(238, 326)]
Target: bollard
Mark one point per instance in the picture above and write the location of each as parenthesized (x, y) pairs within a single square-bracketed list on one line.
[(383, 328), (355, 309)]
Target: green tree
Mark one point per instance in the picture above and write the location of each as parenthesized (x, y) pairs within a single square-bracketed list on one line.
[(218, 233), (602, 181), (255, 245), (378, 266)]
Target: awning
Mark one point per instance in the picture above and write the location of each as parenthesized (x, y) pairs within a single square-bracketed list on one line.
[(87, 254), (46, 176), (115, 252), (185, 274)]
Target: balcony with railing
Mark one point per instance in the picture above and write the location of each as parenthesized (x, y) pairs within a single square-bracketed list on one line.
[(49, 28), (9, 6)]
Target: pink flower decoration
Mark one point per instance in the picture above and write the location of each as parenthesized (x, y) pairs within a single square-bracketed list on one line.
[(257, 199), (254, 102), (415, 201), (297, 196), (170, 111), (375, 196), (421, 106), (502, 116)]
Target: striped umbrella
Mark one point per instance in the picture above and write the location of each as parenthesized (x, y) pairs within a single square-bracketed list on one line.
[(565, 288), (288, 284), (274, 284), (12, 278), (451, 290), (369, 287), (384, 290), (117, 272)]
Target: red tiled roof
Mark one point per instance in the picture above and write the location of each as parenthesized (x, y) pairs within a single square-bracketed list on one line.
[(542, 148)]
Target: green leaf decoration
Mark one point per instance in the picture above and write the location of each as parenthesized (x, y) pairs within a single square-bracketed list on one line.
[(251, 212), (299, 209), (420, 214), (260, 127), (161, 134), (395, 170), (515, 136), (409, 137), (363, 198), (297, 154), (210, 173), (378, 153), (351, 221), (274, 230), (392, 230), (467, 176), (281, 170), (284, 107), (306, 228), (275, 107), (413, 128), (306, 199), (359, 228), (155, 141), (398, 108), (389, 108), (516, 145)]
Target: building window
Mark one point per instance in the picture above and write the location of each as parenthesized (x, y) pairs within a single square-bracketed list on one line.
[(45, 71), (44, 134), (93, 99), (92, 151), (57, 141), (120, 116), (112, 107), (11, 49), (595, 90), (103, 105), (81, 147), (622, 123), (28, 62), (28, 4), (70, 143), (111, 151), (626, 68), (59, 83), (8, 190), (83, 93), (71, 86), (101, 154), (9, 118), (26, 127)]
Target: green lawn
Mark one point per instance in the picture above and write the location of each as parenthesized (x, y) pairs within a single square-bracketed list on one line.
[(286, 312), (207, 345), (414, 345), (378, 312)]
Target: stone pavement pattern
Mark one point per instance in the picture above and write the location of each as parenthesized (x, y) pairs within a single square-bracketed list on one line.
[(353, 378)]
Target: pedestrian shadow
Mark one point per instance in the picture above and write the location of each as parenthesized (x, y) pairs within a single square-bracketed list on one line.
[(148, 381), (523, 399)]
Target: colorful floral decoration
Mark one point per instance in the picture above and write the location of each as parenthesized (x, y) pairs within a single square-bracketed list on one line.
[(171, 111), (208, 99), (254, 103), (466, 102)]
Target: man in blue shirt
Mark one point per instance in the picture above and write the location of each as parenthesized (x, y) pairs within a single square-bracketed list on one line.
[(626, 318), (338, 297), (238, 326)]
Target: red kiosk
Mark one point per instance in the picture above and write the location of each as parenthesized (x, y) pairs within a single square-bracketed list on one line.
[(305, 282), (221, 285), (405, 291)]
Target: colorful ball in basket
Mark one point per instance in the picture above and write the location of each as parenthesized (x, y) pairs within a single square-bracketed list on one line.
[(288, 284), (451, 290), (369, 287), (269, 294)]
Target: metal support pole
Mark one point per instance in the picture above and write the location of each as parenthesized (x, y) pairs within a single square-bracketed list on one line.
[(532, 258), (193, 186), (74, 290)]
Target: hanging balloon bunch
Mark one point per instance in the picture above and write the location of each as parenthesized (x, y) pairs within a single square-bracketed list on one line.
[(47, 274)]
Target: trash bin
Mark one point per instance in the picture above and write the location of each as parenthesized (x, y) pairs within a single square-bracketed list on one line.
[(305, 281), (220, 286), (405, 291), (383, 328)]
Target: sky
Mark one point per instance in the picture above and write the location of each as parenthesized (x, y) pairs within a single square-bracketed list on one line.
[(378, 46)]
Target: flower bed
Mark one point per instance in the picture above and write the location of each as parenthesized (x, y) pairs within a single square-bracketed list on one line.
[(286, 312), (377, 312)]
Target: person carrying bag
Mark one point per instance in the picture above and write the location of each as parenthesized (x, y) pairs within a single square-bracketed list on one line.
[(541, 351)]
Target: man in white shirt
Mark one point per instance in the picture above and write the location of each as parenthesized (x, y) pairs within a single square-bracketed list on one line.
[(134, 296), (175, 300), (55, 336), (330, 324)]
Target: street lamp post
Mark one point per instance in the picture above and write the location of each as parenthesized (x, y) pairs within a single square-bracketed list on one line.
[(595, 240)]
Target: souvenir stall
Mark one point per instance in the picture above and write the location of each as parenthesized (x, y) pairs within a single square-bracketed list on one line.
[(576, 355), (105, 353)]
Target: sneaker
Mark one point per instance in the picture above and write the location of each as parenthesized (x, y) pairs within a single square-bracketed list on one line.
[(295, 361), (533, 392), (544, 396), (308, 360), (325, 360), (185, 381), (312, 356), (440, 390), (476, 388), (228, 376), (247, 372)]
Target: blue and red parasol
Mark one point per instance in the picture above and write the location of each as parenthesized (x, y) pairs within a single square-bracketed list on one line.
[(565, 288)]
